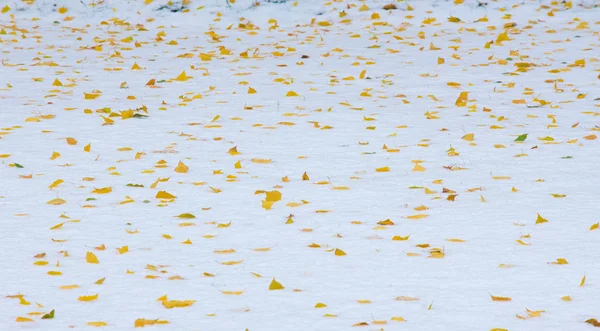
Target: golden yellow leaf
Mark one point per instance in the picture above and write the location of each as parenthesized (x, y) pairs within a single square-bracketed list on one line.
[(232, 262), (540, 219), (56, 202), (91, 258), (186, 216), (383, 169), (339, 252), (181, 168), (495, 298), (594, 226), (90, 96), (263, 161), (275, 285), (468, 137), (164, 195), (97, 324), (87, 298), (142, 322), (182, 77), (291, 94), (23, 319), (123, 250), (560, 260), (177, 303), (56, 183), (417, 216), (71, 141), (582, 282), (104, 190)]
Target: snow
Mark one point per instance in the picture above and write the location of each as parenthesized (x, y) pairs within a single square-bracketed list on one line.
[(330, 132)]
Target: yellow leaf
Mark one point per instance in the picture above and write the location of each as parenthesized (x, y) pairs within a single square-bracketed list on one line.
[(71, 141), (164, 195), (292, 94), (56, 202), (97, 324), (63, 10), (186, 215), (468, 137), (273, 196), (56, 183), (566, 298), (223, 225), (181, 168), (22, 319), (87, 298), (4, 10), (594, 226), (251, 90), (339, 252), (540, 219), (275, 285), (263, 161), (383, 169), (91, 258), (400, 238), (417, 216), (320, 305), (305, 176), (123, 250), (494, 298), (87, 147), (561, 260), (90, 96), (100, 281), (233, 292), (267, 204), (177, 303), (233, 151), (418, 168), (142, 322), (182, 77), (104, 190), (582, 282), (362, 74), (54, 273), (238, 165)]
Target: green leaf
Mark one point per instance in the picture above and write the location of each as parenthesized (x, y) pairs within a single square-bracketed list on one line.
[(135, 185), (18, 165), (567, 157), (521, 137), (49, 316), (90, 199), (139, 116)]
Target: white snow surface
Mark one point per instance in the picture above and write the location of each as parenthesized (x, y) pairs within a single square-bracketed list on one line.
[(340, 128)]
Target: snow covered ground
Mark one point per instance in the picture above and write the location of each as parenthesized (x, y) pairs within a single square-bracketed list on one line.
[(311, 165)]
